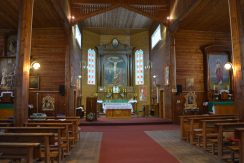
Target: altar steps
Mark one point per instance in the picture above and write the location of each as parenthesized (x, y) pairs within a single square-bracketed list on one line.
[(103, 121)]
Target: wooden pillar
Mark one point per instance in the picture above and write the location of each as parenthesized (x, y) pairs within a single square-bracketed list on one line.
[(237, 54), (67, 72), (23, 61)]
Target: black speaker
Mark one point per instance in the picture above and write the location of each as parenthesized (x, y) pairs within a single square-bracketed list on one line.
[(179, 89), (62, 90)]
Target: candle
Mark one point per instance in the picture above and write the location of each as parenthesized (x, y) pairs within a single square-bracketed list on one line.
[(213, 87)]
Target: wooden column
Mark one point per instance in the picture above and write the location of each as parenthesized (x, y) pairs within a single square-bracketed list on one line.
[(67, 71), (237, 54), (23, 61)]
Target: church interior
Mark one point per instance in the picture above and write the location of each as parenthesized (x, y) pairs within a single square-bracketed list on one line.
[(118, 81)]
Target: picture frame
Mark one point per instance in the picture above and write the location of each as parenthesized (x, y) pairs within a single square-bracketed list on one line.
[(34, 82), (166, 75), (189, 83), (216, 76), (11, 44), (142, 93)]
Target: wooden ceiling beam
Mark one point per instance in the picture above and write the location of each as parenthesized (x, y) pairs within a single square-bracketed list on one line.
[(123, 2), (79, 17)]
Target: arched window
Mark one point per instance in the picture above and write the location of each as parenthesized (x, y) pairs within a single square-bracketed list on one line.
[(139, 67), (91, 67)]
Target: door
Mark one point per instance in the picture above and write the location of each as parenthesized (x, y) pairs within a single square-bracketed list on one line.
[(161, 104)]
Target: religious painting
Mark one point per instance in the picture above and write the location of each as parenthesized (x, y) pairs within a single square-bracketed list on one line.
[(48, 103), (190, 102), (215, 75), (142, 93), (7, 75), (115, 70), (189, 83), (34, 82), (11, 44), (218, 76), (166, 75)]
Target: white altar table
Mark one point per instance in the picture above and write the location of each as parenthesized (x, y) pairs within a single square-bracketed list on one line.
[(117, 110)]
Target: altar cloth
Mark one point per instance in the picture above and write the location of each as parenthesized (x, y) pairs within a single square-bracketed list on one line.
[(107, 106)]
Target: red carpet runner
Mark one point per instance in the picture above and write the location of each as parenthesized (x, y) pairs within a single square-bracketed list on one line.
[(129, 144)]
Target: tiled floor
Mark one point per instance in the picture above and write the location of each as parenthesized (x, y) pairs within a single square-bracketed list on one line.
[(184, 152), (87, 150)]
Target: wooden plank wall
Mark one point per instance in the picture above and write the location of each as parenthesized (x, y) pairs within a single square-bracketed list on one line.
[(48, 48), (189, 62)]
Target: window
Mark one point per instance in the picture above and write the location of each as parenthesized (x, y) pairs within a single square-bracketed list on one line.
[(156, 37), (91, 68), (78, 35), (139, 67)]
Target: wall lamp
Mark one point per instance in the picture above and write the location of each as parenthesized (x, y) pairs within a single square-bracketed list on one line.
[(35, 65), (228, 66)]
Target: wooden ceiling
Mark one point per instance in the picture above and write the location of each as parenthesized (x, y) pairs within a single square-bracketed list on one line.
[(119, 14), (44, 15), (208, 15), (118, 19)]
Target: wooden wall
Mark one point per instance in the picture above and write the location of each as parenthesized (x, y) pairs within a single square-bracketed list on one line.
[(189, 62), (49, 48)]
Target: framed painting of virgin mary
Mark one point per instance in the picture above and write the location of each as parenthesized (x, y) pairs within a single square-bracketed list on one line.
[(216, 76)]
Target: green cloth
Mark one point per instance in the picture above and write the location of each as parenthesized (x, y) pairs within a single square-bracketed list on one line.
[(210, 104), (116, 101), (6, 106)]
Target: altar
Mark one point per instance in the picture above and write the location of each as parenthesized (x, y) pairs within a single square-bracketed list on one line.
[(117, 110)]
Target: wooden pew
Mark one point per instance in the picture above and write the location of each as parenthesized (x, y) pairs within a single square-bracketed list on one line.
[(56, 130), (185, 125), (30, 151), (46, 139), (76, 118), (221, 127), (206, 124), (195, 123), (74, 131), (6, 124), (65, 135), (240, 134)]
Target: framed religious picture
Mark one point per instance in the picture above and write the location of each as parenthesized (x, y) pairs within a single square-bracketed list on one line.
[(34, 82), (189, 83), (216, 76), (142, 93), (11, 44), (166, 75)]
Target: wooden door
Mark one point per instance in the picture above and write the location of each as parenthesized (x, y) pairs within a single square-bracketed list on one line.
[(161, 104)]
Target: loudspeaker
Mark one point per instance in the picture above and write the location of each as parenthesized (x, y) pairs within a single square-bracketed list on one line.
[(179, 89), (62, 90)]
